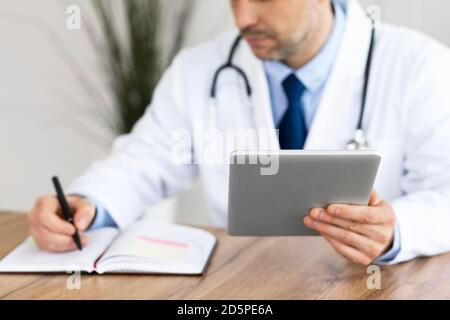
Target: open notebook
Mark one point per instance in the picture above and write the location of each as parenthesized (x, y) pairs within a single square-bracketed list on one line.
[(146, 247)]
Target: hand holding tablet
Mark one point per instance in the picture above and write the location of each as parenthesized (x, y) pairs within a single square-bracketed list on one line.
[(330, 190), (358, 233)]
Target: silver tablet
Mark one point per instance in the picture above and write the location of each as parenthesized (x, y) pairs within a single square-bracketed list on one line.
[(271, 192)]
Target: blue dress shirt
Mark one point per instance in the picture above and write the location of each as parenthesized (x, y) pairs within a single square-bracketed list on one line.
[(314, 76)]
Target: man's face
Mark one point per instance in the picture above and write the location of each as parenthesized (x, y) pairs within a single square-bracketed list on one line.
[(276, 29)]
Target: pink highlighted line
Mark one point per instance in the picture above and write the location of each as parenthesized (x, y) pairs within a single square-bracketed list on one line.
[(166, 242)]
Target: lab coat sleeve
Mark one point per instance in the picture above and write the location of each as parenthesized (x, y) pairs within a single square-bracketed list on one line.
[(140, 169), (423, 213)]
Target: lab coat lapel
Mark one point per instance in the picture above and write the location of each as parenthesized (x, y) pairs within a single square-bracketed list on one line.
[(336, 118)]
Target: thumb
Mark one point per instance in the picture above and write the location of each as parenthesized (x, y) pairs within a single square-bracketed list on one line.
[(374, 199), (84, 214)]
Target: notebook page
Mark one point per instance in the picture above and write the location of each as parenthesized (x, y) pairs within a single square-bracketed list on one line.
[(27, 257), (157, 247)]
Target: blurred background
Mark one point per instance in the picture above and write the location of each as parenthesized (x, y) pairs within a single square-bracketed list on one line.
[(58, 111)]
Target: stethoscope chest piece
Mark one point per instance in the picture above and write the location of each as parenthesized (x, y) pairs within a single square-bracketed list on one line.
[(359, 142)]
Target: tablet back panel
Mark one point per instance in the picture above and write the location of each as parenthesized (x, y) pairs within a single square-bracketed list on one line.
[(274, 205)]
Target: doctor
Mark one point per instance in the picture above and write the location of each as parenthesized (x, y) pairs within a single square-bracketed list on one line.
[(305, 63)]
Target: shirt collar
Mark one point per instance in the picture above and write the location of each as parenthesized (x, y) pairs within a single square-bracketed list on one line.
[(314, 74)]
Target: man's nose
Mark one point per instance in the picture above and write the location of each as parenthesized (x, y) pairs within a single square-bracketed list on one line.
[(244, 14)]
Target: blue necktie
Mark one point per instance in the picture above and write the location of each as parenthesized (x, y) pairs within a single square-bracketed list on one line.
[(292, 128)]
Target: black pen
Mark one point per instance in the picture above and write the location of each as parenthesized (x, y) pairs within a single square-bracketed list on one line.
[(66, 210)]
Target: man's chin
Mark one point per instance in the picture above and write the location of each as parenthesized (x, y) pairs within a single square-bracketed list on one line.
[(264, 49), (264, 53)]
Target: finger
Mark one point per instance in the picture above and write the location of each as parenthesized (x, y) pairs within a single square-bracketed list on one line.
[(55, 242), (348, 252), (52, 242), (374, 199), (47, 202), (360, 242), (75, 201), (84, 211), (368, 230), (54, 223), (84, 215), (362, 214), (45, 213)]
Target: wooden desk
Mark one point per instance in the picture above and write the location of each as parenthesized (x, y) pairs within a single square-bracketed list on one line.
[(242, 268)]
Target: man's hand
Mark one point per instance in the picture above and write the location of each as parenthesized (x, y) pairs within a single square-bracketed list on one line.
[(48, 227), (358, 233)]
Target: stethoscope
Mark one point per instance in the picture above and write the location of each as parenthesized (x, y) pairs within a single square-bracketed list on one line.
[(359, 141)]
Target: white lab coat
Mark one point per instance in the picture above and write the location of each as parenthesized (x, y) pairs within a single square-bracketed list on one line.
[(407, 120)]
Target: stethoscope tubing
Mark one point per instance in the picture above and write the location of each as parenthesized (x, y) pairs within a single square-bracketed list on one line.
[(359, 142)]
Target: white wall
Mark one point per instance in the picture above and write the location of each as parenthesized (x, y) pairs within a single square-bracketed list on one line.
[(47, 120), (43, 109)]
